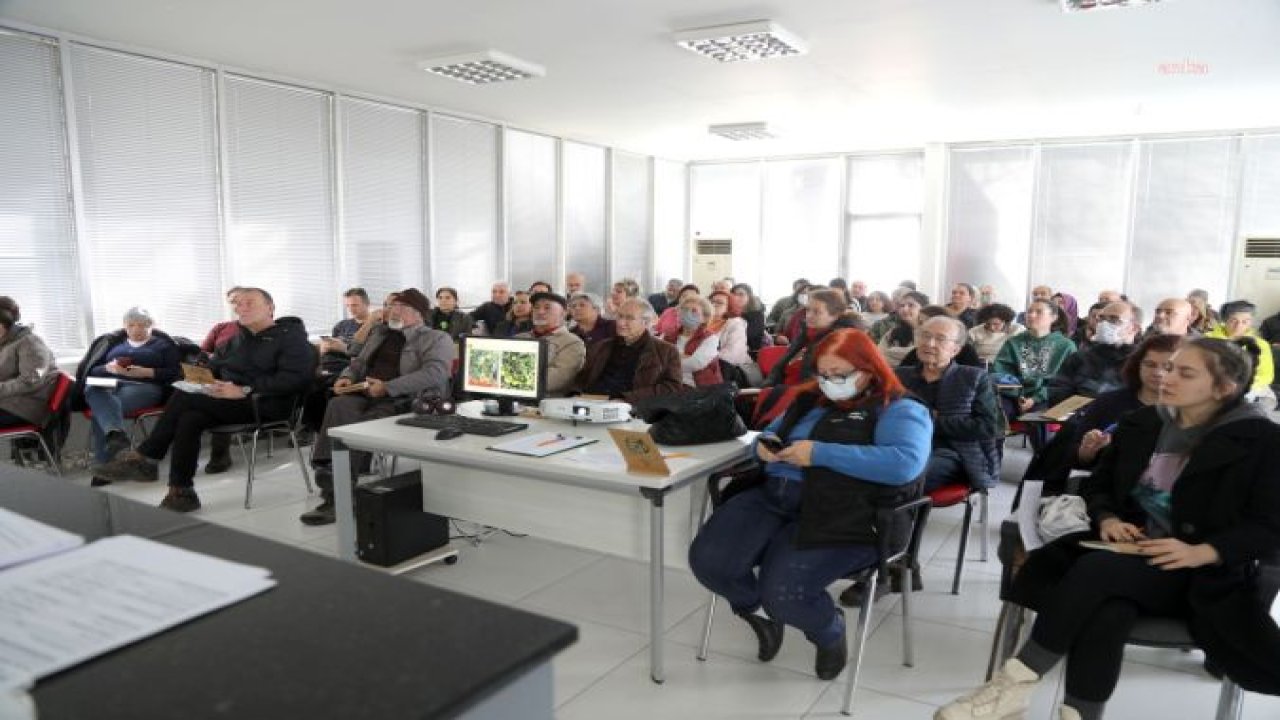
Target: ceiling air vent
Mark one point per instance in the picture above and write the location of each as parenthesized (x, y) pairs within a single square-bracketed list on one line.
[(723, 246), (1262, 248)]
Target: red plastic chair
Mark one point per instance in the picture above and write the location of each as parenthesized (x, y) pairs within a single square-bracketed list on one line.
[(56, 402), (953, 494)]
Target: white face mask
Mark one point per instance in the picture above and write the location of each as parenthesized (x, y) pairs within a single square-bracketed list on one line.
[(1109, 334), (395, 323), (838, 391), (802, 298)]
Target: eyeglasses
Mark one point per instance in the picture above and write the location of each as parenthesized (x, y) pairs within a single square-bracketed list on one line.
[(838, 379), (1113, 319), (926, 338)]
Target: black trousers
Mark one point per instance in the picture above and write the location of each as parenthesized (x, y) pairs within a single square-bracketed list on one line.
[(186, 417), (1088, 601)]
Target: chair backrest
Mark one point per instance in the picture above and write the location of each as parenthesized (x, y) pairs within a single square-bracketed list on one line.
[(61, 392), (769, 356)]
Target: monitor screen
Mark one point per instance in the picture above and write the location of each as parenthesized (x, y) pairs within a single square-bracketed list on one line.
[(506, 369)]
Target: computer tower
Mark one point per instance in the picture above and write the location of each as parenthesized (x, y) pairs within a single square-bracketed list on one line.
[(390, 524)]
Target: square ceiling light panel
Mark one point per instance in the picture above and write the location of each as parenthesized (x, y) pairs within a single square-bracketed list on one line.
[(482, 68), (757, 40), (743, 131)]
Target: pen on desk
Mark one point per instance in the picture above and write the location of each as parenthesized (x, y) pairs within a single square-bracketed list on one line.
[(551, 441)]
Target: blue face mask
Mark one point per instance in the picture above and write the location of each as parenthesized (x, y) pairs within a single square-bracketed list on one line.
[(689, 319)]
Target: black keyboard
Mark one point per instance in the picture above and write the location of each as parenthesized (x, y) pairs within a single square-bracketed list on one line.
[(469, 425)]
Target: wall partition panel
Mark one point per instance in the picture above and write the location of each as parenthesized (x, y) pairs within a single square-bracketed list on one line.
[(989, 219), (464, 206), (280, 233), (884, 207), (529, 194), (632, 208), (725, 205), (800, 223), (38, 260), (148, 164), (670, 236), (383, 241), (583, 172), (1184, 218)]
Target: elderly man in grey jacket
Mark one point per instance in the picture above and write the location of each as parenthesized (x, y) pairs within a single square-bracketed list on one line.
[(400, 359)]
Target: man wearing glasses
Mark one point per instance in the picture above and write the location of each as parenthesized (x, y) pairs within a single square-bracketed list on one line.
[(1096, 369)]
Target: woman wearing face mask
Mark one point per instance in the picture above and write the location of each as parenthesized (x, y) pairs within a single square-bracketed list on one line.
[(668, 322), (825, 312), (1193, 483), (697, 345), (790, 324), (899, 336), (852, 441)]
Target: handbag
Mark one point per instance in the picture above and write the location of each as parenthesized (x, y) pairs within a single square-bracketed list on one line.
[(1062, 515), (701, 415)]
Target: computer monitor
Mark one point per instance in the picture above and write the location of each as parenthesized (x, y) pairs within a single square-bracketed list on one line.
[(508, 370)]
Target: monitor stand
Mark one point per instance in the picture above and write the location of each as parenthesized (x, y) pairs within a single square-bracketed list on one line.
[(506, 408)]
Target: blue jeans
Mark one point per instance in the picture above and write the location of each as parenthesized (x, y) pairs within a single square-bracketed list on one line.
[(756, 529), (944, 467), (109, 406)]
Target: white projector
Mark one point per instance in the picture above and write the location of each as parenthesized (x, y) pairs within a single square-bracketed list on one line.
[(589, 411)]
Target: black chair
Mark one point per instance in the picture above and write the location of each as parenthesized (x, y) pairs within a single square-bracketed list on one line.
[(289, 425), (902, 561)]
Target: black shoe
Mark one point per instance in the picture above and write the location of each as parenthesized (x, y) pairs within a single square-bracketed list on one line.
[(829, 661), (115, 443), (181, 500), (768, 635), (917, 584), (852, 595), (322, 514), (131, 465), (218, 464), (96, 481)]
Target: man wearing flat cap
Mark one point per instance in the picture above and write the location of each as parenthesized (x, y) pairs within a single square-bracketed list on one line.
[(566, 351), (401, 358)]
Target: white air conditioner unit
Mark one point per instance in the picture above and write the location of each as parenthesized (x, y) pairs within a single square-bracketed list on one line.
[(712, 261), (1258, 275)]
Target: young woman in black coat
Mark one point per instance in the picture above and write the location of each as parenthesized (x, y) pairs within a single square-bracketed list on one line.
[(1192, 487)]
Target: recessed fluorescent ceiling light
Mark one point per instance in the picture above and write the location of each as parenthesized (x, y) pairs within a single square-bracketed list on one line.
[(481, 68), (743, 131), (1081, 5), (755, 40)]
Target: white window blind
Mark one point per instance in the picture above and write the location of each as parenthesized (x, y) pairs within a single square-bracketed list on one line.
[(148, 162), (1260, 203), (725, 205), (989, 220), (1081, 228), (529, 193), (583, 181), (1184, 219), (801, 234), (884, 203), (670, 238), (279, 166), (38, 265), (383, 195), (464, 197), (632, 218)]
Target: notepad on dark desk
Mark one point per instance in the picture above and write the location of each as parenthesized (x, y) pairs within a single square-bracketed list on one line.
[(542, 444)]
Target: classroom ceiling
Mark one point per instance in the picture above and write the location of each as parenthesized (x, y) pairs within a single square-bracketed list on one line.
[(879, 73)]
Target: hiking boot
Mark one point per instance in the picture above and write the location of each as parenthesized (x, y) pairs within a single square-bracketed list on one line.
[(1006, 695), (768, 635), (322, 514), (830, 660), (181, 499), (130, 465), (116, 442)]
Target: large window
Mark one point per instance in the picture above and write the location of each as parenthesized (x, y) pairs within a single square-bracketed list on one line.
[(884, 205), (583, 173), (631, 206), (529, 161), (464, 199), (725, 205), (989, 220), (801, 223), (670, 192)]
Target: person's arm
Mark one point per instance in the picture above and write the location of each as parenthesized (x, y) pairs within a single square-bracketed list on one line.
[(903, 439), (295, 366), (733, 341), (566, 360), (1038, 388), (703, 356), (980, 423), (35, 362), (1266, 372), (669, 380), (1258, 533), (435, 360), (170, 368), (362, 335)]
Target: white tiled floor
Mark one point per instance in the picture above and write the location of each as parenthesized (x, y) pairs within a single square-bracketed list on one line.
[(605, 674)]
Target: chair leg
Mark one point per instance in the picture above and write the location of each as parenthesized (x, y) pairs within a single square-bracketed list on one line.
[(302, 461), (1230, 701), (860, 643), (53, 459), (982, 520), (706, 628), (905, 582), (253, 455), (964, 543), (1005, 640)]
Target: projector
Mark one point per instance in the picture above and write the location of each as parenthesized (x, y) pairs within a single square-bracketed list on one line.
[(589, 411)]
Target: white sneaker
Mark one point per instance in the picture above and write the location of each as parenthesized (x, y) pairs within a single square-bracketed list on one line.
[(1066, 712), (1007, 696)]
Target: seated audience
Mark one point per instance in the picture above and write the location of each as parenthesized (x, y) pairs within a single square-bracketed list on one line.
[(1237, 324), (966, 356), (1097, 368), (897, 334), (28, 372), (853, 440), (1106, 297), (588, 324), (1069, 319), (995, 325), (731, 331), (539, 286), (1203, 319), (1270, 329), (143, 361), (1031, 358), (1172, 317), (1195, 483), (486, 318), (273, 361), (698, 346), (446, 317), (337, 347), (1083, 336), (839, 283), (858, 293), (986, 295), (825, 312), (794, 324), (633, 365), (622, 290), (724, 284), (669, 321), (963, 297), (966, 420), (402, 358), (519, 317), (663, 300), (220, 334), (744, 304), (877, 307), (574, 283), (566, 350), (781, 310), (1039, 292)]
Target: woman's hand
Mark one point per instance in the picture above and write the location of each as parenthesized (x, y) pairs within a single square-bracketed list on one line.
[(1025, 404), (1091, 444), (113, 368), (1116, 530), (764, 454), (798, 453), (1173, 554)]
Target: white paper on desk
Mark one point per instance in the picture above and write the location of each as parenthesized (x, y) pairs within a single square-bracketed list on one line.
[(101, 382), (542, 444), (1029, 514), (66, 609), (609, 458), (23, 539)]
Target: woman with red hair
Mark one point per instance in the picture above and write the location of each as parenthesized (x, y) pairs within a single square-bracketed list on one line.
[(851, 441)]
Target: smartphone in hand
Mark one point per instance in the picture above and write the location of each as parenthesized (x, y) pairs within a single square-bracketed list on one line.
[(772, 442)]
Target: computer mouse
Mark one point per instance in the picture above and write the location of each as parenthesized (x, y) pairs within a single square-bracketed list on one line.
[(449, 434)]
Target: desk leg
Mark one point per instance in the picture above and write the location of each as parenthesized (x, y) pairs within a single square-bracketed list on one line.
[(656, 589), (343, 502)]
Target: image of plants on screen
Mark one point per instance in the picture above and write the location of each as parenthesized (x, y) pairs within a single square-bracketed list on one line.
[(482, 370), (519, 371)]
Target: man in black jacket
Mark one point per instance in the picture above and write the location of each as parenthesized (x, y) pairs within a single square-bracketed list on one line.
[(265, 365), (494, 311), (1096, 369)]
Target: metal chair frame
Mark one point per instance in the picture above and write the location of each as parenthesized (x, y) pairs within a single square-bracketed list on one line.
[(57, 400), (289, 425)]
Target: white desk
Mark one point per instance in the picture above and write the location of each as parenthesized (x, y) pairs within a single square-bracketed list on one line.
[(587, 504)]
